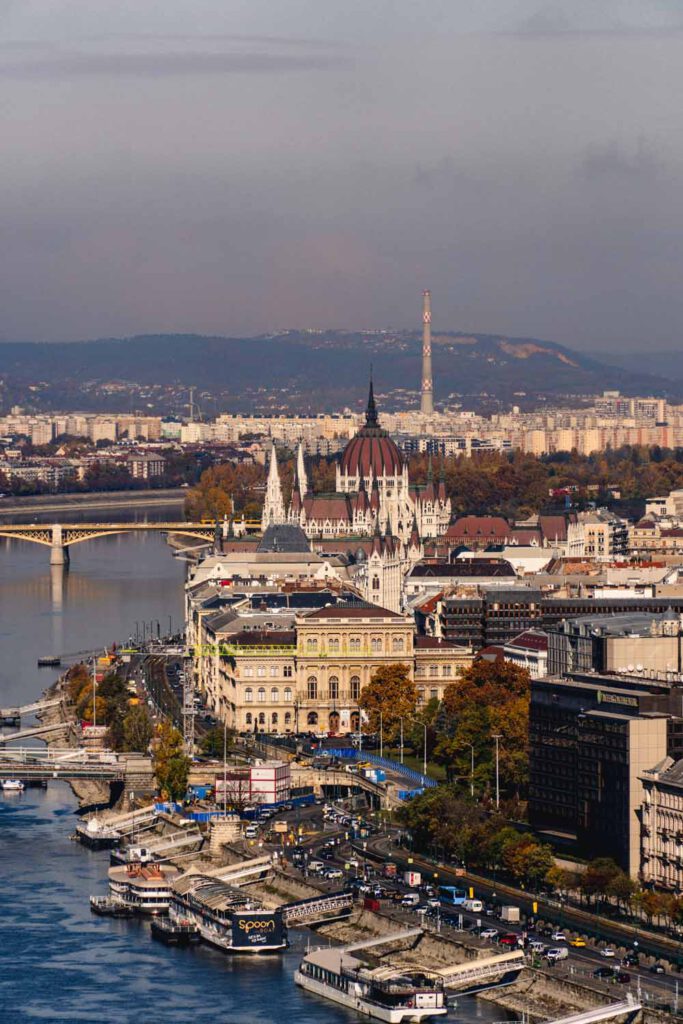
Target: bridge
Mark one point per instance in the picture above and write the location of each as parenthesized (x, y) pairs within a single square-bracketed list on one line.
[(332, 906), (38, 764), (59, 538), (14, 715)]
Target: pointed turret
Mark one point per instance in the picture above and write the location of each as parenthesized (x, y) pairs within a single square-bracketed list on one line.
[(374, 496), (301, 470), (362, 502), (371, 418), (274, 505), (414, 541)]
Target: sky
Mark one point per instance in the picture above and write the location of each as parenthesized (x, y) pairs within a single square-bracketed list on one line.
[(240, 166)]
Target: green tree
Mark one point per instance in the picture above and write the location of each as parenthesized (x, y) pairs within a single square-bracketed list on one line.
[(213, 741), (137, 729), (527, 860), (171, 765), (391, 694)]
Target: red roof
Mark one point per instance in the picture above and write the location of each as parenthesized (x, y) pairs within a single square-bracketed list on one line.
[(479, 526), (333, 507), (530, 640), (378, 454), (340, 611), (435, 642)]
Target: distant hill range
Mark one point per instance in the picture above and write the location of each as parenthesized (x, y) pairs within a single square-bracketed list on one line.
[(307, 371)]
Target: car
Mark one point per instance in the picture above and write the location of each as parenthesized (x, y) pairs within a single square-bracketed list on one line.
[(333, 873), (558, 953), (489, 933), (657, 969), (433, 901), (536, 947), (603, 972), (578, 942), (607, 952), (558, 937), (631, 960), (622, 977), (508, 940)]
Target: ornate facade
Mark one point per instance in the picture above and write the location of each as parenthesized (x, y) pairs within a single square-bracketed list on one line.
[(373, 493)]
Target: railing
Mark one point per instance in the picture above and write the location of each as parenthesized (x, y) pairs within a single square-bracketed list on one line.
[(351, 754)]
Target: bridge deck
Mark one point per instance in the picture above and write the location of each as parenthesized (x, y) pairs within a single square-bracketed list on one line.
[(599, 1013)]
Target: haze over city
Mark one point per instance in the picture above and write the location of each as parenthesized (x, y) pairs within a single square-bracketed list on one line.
[(242, 167)]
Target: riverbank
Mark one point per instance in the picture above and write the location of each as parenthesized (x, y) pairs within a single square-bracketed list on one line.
[(40, 503)]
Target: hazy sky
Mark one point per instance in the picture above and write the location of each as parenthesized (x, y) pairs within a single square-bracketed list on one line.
[(234, 166)]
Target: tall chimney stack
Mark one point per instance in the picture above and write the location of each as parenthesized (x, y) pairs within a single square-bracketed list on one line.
[(427, 403)]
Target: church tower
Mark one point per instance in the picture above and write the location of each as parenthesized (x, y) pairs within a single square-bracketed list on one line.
[(274, 505)]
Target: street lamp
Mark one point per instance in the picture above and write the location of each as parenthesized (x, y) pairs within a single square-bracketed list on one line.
[(497, 737), (471, 746)]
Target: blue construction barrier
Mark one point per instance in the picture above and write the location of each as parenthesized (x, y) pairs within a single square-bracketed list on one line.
[(352, 754)]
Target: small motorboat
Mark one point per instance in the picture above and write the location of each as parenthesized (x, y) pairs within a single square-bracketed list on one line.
[(12, 785)]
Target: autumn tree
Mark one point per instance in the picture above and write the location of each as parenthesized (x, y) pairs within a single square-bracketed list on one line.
[(171, 766), (488, 699), (389, 696), (137, 729)]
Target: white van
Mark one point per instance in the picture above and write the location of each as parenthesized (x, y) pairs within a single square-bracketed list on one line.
[(251, 832), (558, 953), (411, 899), (474, 906)]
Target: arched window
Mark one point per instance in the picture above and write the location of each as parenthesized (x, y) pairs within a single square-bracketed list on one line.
[(333, 644), (355, 687), (334, 688), (397, 644), (420, 695), (376, 644), (311, 644), (312, 688), (375, 582), (354, 643), (312, 718), (288, 717), (248, 718), (248, 695), (261, 694), (274, 695), (288, 693), (261, 719), (273, 718)]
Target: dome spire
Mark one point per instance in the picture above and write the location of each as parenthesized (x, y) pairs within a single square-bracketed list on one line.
[(371, 420)]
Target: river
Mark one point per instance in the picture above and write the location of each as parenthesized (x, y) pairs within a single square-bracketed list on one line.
[(57, 961)]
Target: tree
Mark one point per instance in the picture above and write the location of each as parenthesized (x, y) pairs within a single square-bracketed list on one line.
[(137, 729), (213, 741), (598, 877), (171, 766), (527, 860), (389, 696)]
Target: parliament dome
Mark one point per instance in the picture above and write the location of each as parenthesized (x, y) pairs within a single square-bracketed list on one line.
[(371, 451)]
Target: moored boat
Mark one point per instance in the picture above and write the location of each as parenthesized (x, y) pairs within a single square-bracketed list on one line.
[(144, 888), (227, 917), (105, 906), (175, 932), (12, 785), (377, 990)]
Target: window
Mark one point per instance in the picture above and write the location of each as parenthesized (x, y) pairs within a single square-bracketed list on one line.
[(375, 582), (397, 644), (333, 644), (311, 644), (446, 670), (260, 671), (247, 718), (248, 695), (273, 670), (419, 671), (376, 644), (355, 687), (433, 670), (433, 694), (249, 672), (287, 671), (262, 719), (312, 718), (354, 643), (420, 695), (288, 693), (273, 718), (288, 717), (261, 694), (334, 688), (312, 688), (274, 695)]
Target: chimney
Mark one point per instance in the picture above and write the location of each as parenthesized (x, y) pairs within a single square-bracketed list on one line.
[(427, 403)]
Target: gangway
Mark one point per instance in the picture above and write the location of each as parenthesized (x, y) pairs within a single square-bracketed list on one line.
[(16, 714), (242, 873), (40, 730), (628, 1007), (330, 907), (475, 974), (167, 845)]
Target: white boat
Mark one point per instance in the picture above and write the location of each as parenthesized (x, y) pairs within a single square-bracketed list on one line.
[(12, 785), (381, 992)]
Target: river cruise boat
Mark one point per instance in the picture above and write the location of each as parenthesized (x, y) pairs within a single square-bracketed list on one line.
[(12, 786), (382, 992), (144, 888), (226, 917), (176, 932)]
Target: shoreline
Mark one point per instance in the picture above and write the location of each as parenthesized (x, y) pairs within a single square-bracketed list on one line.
[(40, 503)]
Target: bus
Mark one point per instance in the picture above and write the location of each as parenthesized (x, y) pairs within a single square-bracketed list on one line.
[(452, 896)]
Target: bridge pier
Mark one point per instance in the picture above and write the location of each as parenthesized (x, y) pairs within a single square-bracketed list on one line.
[(59, 552)]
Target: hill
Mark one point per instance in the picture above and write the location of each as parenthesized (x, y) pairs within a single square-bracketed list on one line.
[(305, 371)]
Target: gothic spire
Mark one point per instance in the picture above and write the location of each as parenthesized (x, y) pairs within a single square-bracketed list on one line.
[(371, 420)]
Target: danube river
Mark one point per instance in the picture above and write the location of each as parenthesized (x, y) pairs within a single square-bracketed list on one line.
[(57, 962)]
